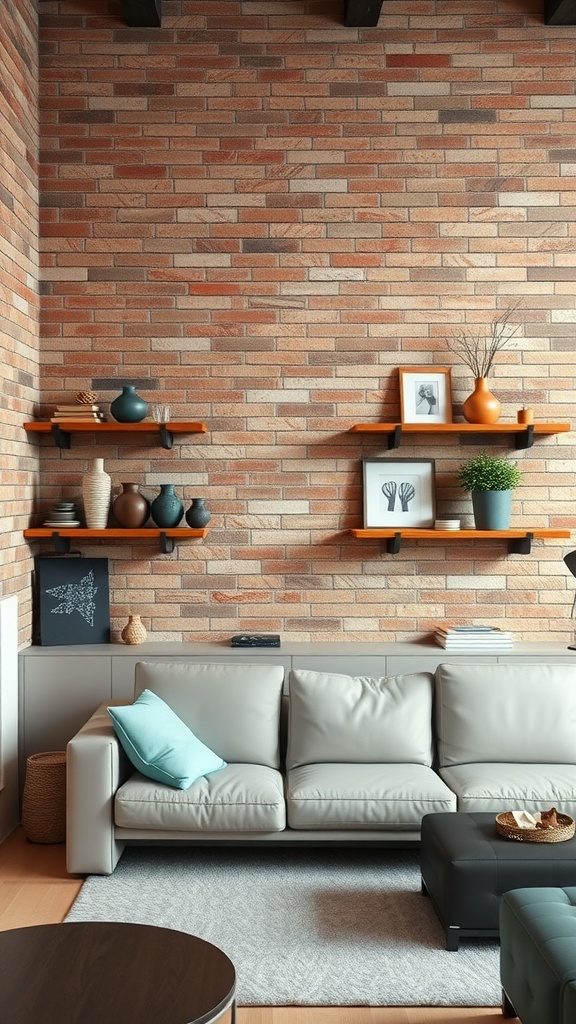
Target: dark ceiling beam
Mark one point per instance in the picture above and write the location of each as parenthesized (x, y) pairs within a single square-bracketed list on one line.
[(363, 13), (560, 12), (142, 13)]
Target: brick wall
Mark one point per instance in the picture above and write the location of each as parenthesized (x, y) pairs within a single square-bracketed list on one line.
[(18, 293), (257, 215)]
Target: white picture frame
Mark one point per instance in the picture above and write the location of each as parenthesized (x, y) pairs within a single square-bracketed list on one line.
[(399, 492), (425, 394)]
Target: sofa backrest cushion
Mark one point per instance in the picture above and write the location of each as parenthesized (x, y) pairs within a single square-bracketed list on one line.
[(514, 713), (233, 709), (357, 719)]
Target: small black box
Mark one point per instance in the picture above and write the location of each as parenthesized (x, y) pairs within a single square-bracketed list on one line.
[(255, 640)]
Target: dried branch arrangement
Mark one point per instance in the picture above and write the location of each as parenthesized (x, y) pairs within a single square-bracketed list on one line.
[(478, 349)]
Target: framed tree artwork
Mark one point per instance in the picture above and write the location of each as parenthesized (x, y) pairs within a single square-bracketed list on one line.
[(425, 394), (72, 601), (399, 492)]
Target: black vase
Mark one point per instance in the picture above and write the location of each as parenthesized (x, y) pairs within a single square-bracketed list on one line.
[(167, 509), (128, 407), (197, 515)]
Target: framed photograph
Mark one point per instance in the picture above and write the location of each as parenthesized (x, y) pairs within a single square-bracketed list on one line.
[(73, 602), (399, 492), (426, 394)]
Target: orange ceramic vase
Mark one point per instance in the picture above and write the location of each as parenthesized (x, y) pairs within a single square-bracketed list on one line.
[(481, 406)]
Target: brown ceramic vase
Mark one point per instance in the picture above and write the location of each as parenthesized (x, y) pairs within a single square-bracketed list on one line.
[(131, 509)]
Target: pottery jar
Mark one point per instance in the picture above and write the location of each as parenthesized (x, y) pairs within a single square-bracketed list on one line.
[(167, 509), (128, 407), (131, 509)]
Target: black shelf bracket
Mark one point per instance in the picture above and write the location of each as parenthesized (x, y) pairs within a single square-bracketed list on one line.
[(521, 545), (393, 544), (166, 543), (395, 437), (61, 544), (61, 437), (525, 438), (166, 436)]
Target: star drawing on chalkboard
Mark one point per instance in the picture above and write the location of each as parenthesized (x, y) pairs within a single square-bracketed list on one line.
[(76, 597)]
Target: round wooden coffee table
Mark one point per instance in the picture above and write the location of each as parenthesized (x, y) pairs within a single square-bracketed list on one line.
[(89, 972)]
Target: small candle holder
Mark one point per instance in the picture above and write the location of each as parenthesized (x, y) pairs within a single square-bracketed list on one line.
[(525, 415)]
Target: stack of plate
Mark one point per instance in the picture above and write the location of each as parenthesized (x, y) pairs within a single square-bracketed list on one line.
[(447, 524), (62, 513)]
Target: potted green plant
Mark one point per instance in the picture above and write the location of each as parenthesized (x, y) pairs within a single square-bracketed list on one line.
[(490, 480)]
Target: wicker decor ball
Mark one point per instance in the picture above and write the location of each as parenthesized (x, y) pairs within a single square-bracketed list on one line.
[(86, 397)]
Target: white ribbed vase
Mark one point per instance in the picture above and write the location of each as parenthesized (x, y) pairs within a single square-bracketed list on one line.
[(96, 487)]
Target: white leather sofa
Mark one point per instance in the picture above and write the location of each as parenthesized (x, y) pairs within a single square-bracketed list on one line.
[(340, 760)]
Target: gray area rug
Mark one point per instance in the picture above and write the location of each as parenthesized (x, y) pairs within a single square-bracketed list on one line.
[(302, 927)]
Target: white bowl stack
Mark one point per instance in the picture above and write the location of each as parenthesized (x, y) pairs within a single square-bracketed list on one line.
[(446, 524)]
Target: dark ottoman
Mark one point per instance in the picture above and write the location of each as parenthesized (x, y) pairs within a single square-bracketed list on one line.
[(538, 955), (466, 867)]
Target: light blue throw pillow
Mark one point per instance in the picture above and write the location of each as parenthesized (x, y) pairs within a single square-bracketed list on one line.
[(160, 745)]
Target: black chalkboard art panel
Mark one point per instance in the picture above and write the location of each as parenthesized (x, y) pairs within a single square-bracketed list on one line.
[(73, 601)]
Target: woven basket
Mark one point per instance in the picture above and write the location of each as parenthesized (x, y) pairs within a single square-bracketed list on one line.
[(44, 798), (507, 827)]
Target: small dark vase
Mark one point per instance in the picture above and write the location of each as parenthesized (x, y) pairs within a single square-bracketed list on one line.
[(197, 515), (167, 509), (131, 509), (128, 407)]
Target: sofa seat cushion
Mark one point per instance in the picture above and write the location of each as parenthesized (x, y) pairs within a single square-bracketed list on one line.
[(237, 798), (358, 796), (508, 787)]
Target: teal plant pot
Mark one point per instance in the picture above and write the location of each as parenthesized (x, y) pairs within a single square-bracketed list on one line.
[(492, 509)]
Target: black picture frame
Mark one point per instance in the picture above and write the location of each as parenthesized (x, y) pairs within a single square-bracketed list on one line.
[(72, 601)]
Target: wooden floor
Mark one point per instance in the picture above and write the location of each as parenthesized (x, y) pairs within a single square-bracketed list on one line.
[(35, 889)]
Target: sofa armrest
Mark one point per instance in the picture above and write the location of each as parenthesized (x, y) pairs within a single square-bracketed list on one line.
[(96, 767)]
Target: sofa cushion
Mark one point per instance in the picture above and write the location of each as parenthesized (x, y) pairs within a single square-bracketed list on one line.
[(234, 708), (509, 787), (364, 796), (507, 713), (239, 798), (358, 719), (159, 744)]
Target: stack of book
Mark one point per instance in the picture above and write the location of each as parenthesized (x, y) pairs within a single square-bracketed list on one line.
[(70, 414), (467, 638)]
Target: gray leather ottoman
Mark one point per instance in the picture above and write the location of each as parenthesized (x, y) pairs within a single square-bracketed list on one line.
[(466, 867), (538, 955)]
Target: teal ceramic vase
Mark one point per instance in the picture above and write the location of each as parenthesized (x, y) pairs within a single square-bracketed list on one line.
[(128, 407), (492, 509), (198, 516), (167, 509)]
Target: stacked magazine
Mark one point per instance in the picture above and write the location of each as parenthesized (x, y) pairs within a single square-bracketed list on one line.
[(468, 638)]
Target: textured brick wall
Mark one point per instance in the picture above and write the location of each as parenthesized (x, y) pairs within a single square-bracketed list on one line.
[(18, 293), (258, 215)]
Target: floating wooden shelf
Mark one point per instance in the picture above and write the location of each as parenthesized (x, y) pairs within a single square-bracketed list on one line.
[(523, 435), (519, 541), (61, 538), (61, 432)]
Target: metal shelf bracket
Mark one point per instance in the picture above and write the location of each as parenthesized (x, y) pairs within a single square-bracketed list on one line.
[(393, 544), (521, 545), (166, 436), (61, 544), (166, 544), (525, 438), (395, 437), (61, 437)]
